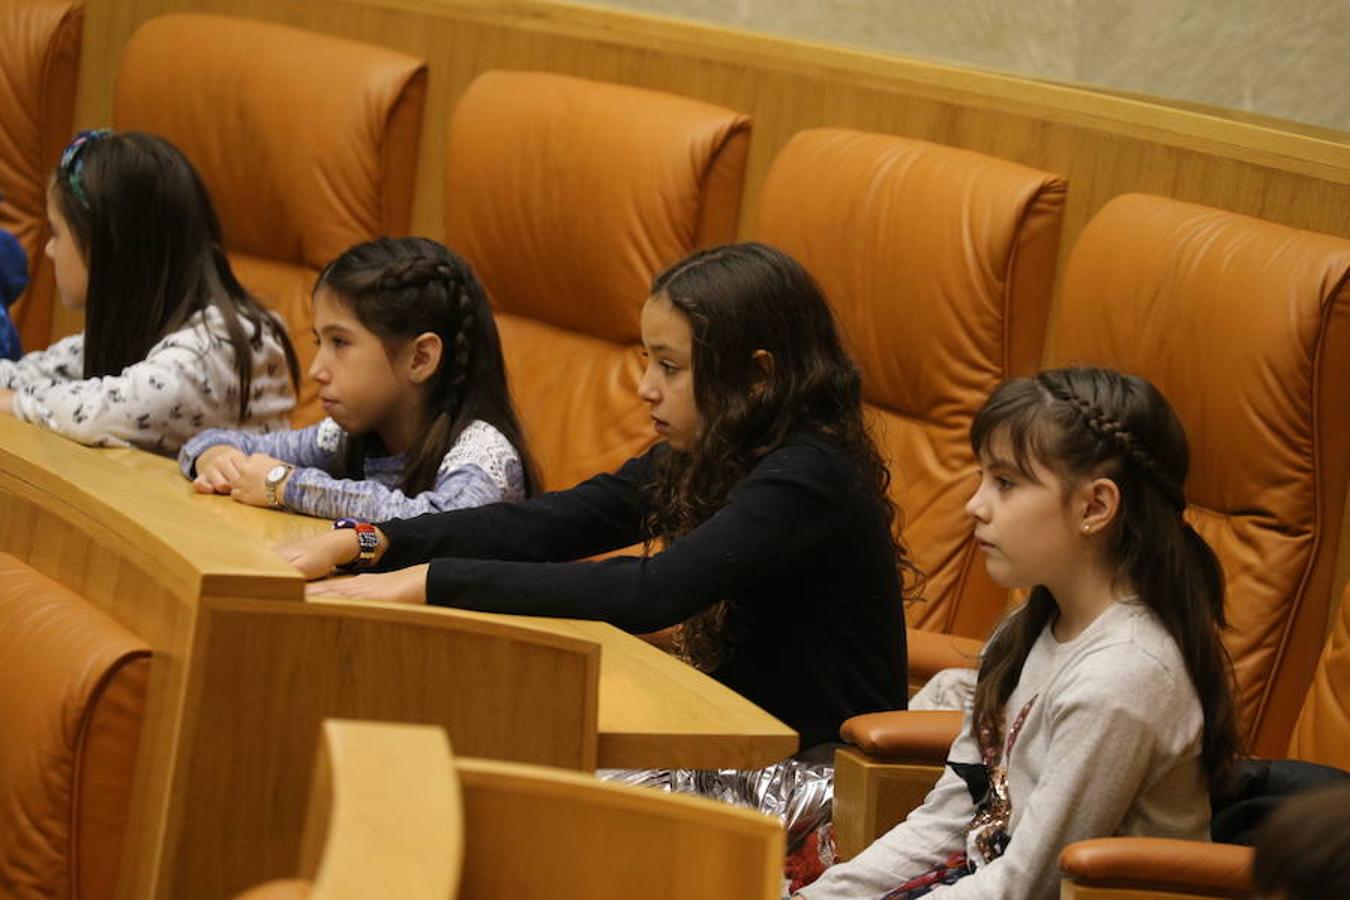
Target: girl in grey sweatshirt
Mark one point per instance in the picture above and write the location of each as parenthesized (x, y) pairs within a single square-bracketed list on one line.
[(1103, 705)]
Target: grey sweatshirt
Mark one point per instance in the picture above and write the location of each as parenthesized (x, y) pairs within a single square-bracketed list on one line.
[(1110, 745)]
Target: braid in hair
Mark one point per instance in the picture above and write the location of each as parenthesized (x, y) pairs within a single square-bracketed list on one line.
[(1112, 433), (460, 347), (439, 284)]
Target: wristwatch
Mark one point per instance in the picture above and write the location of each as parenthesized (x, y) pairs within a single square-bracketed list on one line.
[(275, 476), (367, 539)]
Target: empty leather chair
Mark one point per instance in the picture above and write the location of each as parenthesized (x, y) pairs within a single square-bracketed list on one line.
[(568, 196), (75, 687), (38, 71), (306, 142)]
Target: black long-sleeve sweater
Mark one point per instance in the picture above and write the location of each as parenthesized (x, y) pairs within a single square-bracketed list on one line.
[(801, 549)]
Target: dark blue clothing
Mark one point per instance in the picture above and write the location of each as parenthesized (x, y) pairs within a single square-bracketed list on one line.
[(13, 279)]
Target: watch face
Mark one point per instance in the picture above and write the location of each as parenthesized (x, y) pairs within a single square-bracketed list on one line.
[(277, 473)]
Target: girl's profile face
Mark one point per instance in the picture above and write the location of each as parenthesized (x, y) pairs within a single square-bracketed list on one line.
[(72, 273), (1026, 526), (667, 384), (361, 387)]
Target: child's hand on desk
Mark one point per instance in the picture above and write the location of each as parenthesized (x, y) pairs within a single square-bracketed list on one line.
[(218, 469), (404, 586), (7, 402), (318, 556), (250, 486)]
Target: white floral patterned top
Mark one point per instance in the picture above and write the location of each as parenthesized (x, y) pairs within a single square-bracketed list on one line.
[(187, 382)]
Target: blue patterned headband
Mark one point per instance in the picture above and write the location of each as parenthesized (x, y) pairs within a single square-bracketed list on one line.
[(72, 165)]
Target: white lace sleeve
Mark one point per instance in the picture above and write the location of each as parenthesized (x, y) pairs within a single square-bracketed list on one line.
[(484, 446)]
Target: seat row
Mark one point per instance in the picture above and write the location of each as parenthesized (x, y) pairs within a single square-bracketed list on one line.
[(566, 195), (394, 814)]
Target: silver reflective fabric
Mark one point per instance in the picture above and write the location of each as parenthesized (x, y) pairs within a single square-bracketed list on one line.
[(798, 793)]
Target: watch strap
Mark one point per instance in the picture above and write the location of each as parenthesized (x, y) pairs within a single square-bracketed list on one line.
[(367, 539)]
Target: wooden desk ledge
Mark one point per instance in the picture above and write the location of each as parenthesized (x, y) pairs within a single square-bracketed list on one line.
[(53, 490)]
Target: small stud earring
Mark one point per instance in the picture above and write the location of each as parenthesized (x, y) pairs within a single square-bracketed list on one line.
[(1087, 529)]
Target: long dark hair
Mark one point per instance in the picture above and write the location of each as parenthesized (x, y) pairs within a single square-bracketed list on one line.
[(143, 221), (1088, 423), (399, 288), (738, 299)]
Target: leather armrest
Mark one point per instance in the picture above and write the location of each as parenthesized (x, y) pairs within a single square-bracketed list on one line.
[(904, 734), (1164, 863), (289, 889), (932, 651)]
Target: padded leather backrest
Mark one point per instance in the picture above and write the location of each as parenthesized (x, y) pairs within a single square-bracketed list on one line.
[(70, 713), (39, 66), (1322, 733), (568, 196), (1245, 326), (307, 143), (939, 264)]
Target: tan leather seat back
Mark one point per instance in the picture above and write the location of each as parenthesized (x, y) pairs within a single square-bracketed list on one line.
[(939, 264), (39, 67), (1322, 733), (307, 143), (568, 196), (70, 712), (1245, 326)]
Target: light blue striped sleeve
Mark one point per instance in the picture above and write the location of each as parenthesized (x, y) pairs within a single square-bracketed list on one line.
[(316, 493), (318, 446), (482, 467)]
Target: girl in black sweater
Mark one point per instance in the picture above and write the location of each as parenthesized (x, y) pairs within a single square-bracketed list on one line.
[(768, 535)]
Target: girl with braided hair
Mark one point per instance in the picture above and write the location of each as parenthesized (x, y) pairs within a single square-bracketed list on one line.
[(763, 508), (1103, 705), (411, 374)]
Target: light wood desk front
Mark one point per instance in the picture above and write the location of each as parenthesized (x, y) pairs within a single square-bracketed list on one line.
[(243, 664), (655, 711)]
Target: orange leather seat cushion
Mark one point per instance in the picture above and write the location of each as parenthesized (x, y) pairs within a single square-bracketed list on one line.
[(1322, 734), (71, 716)]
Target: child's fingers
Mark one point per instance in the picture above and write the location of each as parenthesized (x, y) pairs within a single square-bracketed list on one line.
[(202, 486), (216, 480)]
